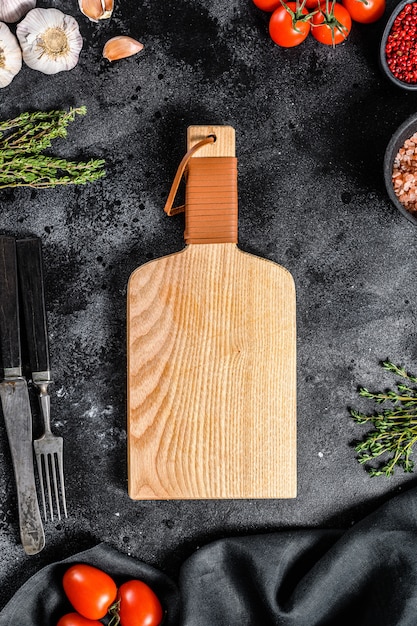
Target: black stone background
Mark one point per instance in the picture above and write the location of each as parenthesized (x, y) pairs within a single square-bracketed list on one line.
[(312, 124)]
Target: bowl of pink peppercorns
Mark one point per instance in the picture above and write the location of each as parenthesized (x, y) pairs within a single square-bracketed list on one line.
[(398, 50), (400, 169)]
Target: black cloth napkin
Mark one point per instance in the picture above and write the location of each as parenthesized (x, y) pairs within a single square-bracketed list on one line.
[(41, 600), (364, 576)]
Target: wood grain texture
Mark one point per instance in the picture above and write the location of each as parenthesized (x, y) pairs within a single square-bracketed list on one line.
[(224, 146), (211, 377)]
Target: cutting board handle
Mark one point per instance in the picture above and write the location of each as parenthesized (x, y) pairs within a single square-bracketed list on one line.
[(211, 199)]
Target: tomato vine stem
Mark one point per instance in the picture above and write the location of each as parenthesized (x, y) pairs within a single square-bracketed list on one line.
[(114, 612), (330, 20), (297, 15)]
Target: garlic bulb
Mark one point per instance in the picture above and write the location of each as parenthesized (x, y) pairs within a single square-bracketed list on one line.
[(121, 47), (10, 56), (12, 10), (50, 40), (96, 9)]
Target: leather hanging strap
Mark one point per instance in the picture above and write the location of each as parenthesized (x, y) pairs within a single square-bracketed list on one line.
[(211, 200), (169, 208)]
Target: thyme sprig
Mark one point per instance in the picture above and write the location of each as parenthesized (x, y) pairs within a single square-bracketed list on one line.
[(394, 428), (24, 139)]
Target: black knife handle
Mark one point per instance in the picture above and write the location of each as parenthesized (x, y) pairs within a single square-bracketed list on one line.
[(9, 306), (30, 267)]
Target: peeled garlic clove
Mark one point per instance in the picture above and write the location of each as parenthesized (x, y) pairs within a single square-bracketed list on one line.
[(96, 9), (12, 10), (108, 6), (121, 47), (10, 56), (50, 40)]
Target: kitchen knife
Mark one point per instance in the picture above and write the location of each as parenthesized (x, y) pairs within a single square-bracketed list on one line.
[(15, 402), (48, 448), (29, 258)]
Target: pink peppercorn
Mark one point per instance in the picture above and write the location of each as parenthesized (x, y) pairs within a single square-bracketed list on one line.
[(401, 45)]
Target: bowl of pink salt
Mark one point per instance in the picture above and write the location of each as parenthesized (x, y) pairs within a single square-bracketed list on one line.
[(400, 169)]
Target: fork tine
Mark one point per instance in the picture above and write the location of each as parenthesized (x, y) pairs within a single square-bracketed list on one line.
[(62, 483), (53, 456), (48, 485), (40, 474), (48, 450)]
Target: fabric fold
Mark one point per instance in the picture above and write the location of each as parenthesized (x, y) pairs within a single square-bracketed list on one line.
[(41, 600), (364, 576)]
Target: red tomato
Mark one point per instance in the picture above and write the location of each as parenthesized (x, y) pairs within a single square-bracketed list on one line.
[(365, 11), (139, 606), (289, 25), (75, 619), (331, 24), (312, 4), (267, 5), (90, 590)]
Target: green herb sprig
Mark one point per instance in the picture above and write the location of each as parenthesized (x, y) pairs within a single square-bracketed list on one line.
[(22, 142), (394, 429)]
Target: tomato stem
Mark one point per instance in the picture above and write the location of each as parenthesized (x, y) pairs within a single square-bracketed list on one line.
[(298, 15), (114, 612), (332, 22)]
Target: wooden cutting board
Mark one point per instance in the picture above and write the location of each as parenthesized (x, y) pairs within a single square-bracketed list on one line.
[(211, 362)]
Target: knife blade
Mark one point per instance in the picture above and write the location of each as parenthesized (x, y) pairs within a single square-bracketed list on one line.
[(15, 402)]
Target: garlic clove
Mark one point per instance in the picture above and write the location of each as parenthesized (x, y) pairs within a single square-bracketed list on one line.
[(50, 40), (12, 10), (108, 6), (10, 56), (121, 47), (91, 9), (96, 10)]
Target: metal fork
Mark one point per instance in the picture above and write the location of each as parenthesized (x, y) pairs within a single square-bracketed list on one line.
[(49, 455), (48, 448)]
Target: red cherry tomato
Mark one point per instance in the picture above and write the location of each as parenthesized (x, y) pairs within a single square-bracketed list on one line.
[(289, 25), (90, 590), (365, 11), (331, 24), (139, 605), (75, 619), (267, 5)]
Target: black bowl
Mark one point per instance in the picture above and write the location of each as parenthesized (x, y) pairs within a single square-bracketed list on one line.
[(382, 57), (405, 131)]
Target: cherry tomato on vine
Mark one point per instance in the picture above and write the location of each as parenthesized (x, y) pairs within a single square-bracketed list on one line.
[(289, 25), (90, 590), (365, 11), (267, 5), (139, 605), (331, 24), (75, 619)]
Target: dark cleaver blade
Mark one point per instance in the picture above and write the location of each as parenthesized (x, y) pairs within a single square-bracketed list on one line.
[(15, 402)]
